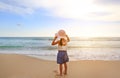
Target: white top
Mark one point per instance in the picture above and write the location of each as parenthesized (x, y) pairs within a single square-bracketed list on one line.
[(61, 47), (64, 48)]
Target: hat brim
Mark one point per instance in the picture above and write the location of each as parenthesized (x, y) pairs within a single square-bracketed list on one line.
[(61, 33)]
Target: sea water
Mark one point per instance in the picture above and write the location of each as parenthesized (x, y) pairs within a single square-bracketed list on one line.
[(98, 48)]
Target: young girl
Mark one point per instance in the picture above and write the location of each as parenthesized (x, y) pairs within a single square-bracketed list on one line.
[(61, 40)]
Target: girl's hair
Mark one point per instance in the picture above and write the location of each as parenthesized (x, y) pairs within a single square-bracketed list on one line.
[(62, 41)]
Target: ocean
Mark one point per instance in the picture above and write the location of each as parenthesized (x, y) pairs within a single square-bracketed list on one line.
[(96, 48)]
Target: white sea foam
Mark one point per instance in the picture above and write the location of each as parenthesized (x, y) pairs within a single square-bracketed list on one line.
[(78, 49)]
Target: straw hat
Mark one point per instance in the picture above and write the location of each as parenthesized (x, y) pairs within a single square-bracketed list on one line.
[(61, 33)]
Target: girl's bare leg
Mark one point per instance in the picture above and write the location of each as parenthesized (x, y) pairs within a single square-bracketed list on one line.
[(65, 68), (60, 68)]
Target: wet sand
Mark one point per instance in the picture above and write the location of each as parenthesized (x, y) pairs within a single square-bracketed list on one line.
[(21, 66)]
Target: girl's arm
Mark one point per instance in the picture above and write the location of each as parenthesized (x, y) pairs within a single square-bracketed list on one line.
[(68, 39), (54, 42)]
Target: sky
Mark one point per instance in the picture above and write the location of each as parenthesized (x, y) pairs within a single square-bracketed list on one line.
[(79, 18)]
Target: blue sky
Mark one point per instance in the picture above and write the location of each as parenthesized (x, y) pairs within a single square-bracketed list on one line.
[(82, 18)]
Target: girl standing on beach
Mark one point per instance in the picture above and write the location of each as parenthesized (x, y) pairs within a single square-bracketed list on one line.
[(61, 40)]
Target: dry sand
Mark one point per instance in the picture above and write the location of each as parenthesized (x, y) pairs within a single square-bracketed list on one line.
[(21, 66)]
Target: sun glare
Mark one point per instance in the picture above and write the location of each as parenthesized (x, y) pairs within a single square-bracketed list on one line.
[(85, 31), (77, 8)]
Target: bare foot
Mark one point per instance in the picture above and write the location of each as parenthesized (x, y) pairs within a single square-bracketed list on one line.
[(55, 71), (65, 73), (58, 74)]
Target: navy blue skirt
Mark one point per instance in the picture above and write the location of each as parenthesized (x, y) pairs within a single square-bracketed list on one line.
[(62, 57)]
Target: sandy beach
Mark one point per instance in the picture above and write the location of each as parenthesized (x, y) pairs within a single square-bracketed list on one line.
[(21, 66)]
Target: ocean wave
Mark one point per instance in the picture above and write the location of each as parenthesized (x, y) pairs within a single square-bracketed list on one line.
[(44, 43), (2, 47), (51, 47)]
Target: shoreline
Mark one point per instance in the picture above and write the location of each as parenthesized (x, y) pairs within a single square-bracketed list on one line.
[(22, 66), (53, 57)]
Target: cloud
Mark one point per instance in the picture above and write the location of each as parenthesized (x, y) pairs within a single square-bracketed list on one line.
[(27, 6), (111, 9), (15, 9), (112, 2), (73, 9), (101, 13)]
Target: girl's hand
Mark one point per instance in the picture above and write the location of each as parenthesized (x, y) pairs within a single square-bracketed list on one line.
[(55, 37), (68, 38)]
